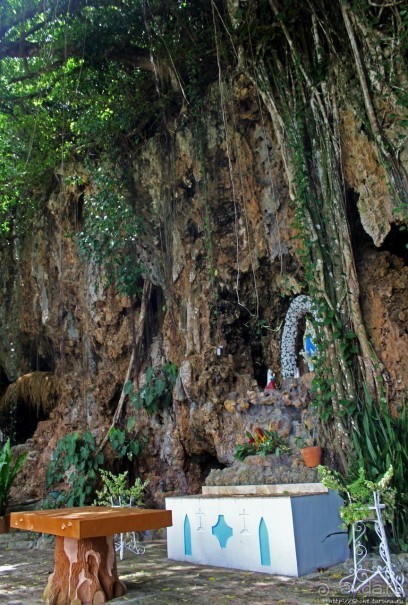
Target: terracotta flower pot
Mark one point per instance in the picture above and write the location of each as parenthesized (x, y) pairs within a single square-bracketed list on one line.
[(312, 456)]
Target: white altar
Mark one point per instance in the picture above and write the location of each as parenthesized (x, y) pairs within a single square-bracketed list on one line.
[(289, 529)]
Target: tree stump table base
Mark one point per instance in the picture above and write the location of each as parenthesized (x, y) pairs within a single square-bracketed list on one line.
[(85, 572)]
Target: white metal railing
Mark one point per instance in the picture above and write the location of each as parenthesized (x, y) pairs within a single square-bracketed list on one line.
[(126, 540), (360, 575)]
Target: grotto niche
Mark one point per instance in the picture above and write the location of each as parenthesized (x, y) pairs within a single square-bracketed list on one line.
[(25, 403), (298, 338)]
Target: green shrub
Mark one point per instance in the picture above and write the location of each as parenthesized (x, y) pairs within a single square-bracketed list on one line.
[(75, 461), (358, 493), (115, 490), (8, 472), (380, 441)]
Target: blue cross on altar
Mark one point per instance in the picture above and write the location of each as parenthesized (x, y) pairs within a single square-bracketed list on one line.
[(222, 531)]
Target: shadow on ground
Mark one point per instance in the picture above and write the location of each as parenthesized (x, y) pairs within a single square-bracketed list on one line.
[(152, 579)]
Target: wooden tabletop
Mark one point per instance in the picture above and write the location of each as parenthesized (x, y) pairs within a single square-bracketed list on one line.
[(90, 521)]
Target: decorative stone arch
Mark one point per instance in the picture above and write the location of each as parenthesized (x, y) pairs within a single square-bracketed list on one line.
[(298, 308)]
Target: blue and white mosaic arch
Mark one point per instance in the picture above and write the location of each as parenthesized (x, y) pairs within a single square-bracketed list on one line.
[(300, 306)]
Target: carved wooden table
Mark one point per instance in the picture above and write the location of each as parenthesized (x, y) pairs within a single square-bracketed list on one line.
[(85, 560)]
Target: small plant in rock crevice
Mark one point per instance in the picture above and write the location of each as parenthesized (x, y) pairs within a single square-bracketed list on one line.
[(261, 442)]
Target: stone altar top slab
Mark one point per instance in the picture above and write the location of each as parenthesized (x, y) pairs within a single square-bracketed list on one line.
[(279, 489)]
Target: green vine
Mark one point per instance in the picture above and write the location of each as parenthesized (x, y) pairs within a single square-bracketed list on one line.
[(110, 232), (196, 105), (156, 393), (334, 393), (123, 444)]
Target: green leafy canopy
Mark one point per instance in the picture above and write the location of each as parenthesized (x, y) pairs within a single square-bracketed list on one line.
[(79, 77)]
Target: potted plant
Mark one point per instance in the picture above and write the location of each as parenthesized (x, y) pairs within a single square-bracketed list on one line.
[(8, 471), (358, 494), (261, 442), (116, 491), (309, 450)]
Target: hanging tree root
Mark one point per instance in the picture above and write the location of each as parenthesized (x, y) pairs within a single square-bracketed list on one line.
[(85, 572), (138, 337)]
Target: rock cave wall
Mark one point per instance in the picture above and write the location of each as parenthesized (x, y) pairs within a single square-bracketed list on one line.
[(224, 263)]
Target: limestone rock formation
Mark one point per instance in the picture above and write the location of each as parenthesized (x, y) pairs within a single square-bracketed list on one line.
[(217, 304)]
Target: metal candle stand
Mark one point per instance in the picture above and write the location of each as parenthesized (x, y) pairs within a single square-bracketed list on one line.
[(360, 575), (128, 539)]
